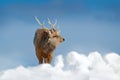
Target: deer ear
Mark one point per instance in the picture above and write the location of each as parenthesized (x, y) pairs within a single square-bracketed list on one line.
[(44, 38)]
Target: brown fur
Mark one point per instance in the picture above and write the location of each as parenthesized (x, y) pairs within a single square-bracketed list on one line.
[(45, 42)]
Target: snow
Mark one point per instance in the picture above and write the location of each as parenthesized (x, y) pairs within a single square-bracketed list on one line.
[(74, 66)]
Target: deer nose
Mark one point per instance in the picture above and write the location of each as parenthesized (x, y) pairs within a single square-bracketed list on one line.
[(63, 39)]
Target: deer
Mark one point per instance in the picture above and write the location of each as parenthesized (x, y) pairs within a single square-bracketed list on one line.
[(46, 41)]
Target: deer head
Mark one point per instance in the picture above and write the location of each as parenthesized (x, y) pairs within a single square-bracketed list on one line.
[(50, 36)]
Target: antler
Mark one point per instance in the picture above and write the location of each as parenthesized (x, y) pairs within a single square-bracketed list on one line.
[(41, 24), (52, 25)]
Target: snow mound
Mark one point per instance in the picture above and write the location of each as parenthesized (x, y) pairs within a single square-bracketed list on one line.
[(74, 66)]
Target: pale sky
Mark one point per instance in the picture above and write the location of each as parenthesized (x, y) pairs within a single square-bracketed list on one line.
[(86, 25)]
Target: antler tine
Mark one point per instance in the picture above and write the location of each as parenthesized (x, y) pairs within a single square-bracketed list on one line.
[(52, 26), (55, 22), (41, 24)]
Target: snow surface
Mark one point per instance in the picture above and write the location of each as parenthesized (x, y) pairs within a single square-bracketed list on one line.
[(74, 66)]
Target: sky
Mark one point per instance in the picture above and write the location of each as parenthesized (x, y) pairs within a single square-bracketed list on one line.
[(86, 25)]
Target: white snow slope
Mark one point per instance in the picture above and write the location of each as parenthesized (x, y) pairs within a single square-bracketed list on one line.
[(74, 66)]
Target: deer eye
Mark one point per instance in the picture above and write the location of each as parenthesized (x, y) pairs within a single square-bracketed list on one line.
[(55, 36)]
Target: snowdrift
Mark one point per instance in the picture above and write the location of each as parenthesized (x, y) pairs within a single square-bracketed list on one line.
[(74, 66)]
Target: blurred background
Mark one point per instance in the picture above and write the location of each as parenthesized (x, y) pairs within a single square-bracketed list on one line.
[(86, 25)]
